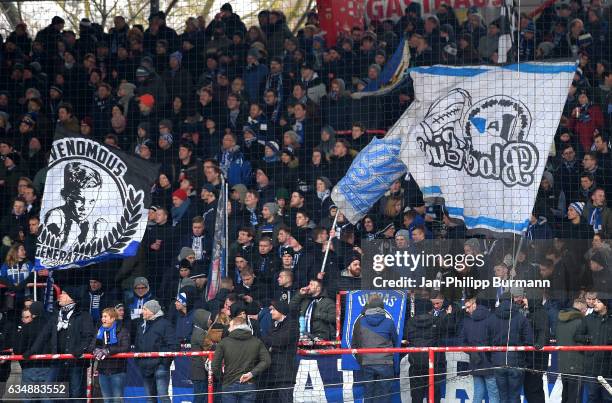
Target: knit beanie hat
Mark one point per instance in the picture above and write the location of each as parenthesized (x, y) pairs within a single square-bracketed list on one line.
[(141, 281), (577, 206), (152, 306), (273, 207)]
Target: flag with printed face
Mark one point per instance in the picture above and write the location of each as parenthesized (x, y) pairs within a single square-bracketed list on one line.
[(95, 204)]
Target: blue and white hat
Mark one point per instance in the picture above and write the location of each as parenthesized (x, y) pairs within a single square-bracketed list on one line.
[(577, 206), (181, 297)]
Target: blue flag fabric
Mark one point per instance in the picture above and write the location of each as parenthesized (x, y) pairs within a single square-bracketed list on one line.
[(217, 263), (392, 75), (395, 308), (95, 204), (369, 177)]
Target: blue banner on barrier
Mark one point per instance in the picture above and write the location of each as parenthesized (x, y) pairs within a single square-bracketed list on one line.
[(395, 307)]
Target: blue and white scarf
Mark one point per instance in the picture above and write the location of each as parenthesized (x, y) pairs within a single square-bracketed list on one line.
[(108, 335)]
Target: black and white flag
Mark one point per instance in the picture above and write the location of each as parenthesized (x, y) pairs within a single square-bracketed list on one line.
[(94, 206)]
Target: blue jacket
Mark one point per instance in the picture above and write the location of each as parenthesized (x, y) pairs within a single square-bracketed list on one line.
[(17, 273), (157, 335), (254, 77), (474, 333), (135, 305), (374, 330), (520, 334), (235, 166), (184, 327)]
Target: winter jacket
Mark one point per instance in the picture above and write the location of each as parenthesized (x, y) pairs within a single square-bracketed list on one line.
[(25, 339), (240, 352), (323, 319), (179, 83), (281, 342), (596, 330), (474, 333), (315, 88), (570, 320), (69, 128), (154, 335), (591, 118), (254, 80), (200, 329), (426, 330), (519, 334), (606, 219), (374, 330), (235, 166), (184, 326), (78, 335), (112, 366), (539, 323)]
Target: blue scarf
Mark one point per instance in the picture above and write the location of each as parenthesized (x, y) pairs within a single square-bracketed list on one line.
[(585, 114), (111, 333), (273, 158), (596, 219), (179, 212)]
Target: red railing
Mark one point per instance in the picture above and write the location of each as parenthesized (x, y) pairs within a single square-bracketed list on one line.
[(431, 351)]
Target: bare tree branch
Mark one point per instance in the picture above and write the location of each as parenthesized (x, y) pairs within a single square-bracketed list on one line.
[(171, 6)]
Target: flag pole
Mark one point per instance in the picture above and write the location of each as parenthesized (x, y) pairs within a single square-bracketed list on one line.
[(225, 189), (35, 288), (329, 242)]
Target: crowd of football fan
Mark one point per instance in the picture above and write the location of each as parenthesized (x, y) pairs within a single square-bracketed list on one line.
[(271, 111)]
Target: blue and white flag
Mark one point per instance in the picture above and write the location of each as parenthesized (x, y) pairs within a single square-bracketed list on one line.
[(94, 206), (374, 169), (395, 309), (479, 138), (218, 268), (392, 75)]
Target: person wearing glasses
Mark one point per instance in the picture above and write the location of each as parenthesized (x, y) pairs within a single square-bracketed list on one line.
[(140, 296)]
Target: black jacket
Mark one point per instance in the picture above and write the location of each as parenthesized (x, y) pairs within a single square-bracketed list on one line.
[(157, 335), (281, 342), (538, 319), (596, 330), (80, 333), (26, 336)]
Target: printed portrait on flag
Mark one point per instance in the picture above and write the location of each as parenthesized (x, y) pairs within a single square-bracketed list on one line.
[(94, 206), (81, 193)]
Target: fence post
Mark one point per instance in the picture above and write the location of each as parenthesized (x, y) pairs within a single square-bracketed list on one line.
[(338, 314), (90, 376), (211, 385), (432, 394)]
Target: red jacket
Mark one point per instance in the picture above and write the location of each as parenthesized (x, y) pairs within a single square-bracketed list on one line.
[(585, 129)]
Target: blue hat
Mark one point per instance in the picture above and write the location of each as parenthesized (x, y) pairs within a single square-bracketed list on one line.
[(181, 297), (178, 56)]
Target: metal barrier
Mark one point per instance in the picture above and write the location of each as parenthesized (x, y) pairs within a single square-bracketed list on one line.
[(432, 351)]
